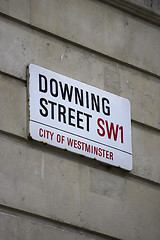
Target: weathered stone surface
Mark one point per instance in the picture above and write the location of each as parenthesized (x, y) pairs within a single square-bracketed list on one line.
[(18, 228), (35, 47), (4, 5), (13, 108), (39, 176), (146, 152), (18, 9), (102, 28), (97, 26), (55, 184), (150, 4), (141, 89), (148, 10)]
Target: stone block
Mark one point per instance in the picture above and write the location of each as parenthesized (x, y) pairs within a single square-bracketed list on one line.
[(18, 9), (48, 52), (17, 228), (58, 185), (102, 28), (4, 6), (24, 167), (13, 109), (143, 91), (146, 152)]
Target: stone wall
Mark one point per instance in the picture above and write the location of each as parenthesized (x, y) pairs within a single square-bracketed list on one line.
[(48, 193)]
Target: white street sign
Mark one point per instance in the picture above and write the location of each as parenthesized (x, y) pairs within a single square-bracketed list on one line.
[(83, 119)]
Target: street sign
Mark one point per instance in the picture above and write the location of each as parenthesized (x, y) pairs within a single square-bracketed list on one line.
[(72, 115)]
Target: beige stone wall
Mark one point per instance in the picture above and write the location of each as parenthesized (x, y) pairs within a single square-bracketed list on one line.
[(48, 193)]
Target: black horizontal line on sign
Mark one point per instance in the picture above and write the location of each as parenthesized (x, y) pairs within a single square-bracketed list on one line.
[(81, 136)]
